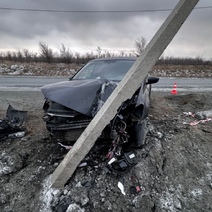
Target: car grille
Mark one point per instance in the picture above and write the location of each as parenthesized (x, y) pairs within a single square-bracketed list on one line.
[(59, 117)]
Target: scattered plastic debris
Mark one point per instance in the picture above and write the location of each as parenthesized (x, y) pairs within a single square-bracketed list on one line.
[(135, 189), (17, 135), (65, 146), (202, 115), (83, 164), (194, 123), (189, 114), (121, 187), (111, 160), (122, 162), (12, 125)]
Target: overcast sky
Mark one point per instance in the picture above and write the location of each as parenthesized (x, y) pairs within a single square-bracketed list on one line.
[(85, 31)]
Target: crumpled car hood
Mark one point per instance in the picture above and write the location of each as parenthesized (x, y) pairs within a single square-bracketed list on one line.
[(79, 95)]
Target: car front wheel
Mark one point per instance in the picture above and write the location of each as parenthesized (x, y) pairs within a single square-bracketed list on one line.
[(138, 134)]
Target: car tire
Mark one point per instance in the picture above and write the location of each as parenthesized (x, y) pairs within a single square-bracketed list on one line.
[(139, 132)]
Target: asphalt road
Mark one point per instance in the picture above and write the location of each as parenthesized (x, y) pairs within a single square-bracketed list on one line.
[(24, 93), (33, 83)]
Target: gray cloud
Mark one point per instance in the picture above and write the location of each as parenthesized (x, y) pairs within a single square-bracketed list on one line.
[(24, 29)]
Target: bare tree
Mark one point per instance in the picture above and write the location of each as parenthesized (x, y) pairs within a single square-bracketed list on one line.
[(99, 51), (2, 56), (66, 54), (89, 56), (8, 55), (77, 55), (35, 57), (140, 44), (14, 56), (122, 53), (27, 55), (132, 53), (45, 52), (107, 53), (19, 55)]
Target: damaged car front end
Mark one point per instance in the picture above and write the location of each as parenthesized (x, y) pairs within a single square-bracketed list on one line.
[(71, 105)]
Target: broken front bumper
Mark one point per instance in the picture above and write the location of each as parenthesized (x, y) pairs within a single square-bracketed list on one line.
[(61, 118)]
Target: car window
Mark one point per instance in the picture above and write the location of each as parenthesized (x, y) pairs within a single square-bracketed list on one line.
[(105, 69), (86, 72)]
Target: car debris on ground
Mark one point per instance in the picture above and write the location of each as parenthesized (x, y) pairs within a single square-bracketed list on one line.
[(202, 116), (173, 170), (12, 125)]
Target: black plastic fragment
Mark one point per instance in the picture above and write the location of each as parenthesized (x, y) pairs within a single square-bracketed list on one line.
[(12, 123)]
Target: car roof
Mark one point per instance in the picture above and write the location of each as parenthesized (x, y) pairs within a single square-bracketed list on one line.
[(115, 58)]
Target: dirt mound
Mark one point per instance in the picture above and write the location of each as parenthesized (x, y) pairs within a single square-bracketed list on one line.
[(173, 173)]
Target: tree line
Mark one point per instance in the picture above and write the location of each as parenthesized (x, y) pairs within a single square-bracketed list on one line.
[(66, 55)]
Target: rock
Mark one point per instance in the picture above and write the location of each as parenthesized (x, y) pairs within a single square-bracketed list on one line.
[(14, 67), (102, 194), (108, 205), (144, 203), (10, 163), (78, 185), (17, 72), (84, 200), (57, 193), (177, 204), (63, 204), (3, 199), (159, 135), (74, 208), (65, 192)]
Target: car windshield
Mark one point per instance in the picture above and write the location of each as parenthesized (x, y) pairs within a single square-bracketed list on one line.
[(105, 69)]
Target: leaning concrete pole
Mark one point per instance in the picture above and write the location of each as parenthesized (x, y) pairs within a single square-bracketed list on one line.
[(123, 91)]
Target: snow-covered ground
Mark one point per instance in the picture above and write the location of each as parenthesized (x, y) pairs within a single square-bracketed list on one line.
[(61, 69)]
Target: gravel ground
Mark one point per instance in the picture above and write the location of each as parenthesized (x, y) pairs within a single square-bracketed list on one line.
[(173, 173)]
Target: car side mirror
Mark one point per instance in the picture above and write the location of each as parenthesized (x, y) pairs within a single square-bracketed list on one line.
[(152, 80)]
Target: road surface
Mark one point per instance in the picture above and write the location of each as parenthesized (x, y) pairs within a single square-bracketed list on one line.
[(33, 83), (20, 92)]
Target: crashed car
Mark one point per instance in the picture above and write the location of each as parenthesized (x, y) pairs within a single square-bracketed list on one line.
[(71, 105)]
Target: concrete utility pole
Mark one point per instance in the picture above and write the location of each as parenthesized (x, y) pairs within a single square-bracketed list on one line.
[(123, 91)]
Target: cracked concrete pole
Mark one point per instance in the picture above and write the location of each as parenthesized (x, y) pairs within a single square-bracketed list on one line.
[(126, 88)]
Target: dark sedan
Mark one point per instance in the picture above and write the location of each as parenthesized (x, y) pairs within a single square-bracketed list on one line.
[(70, 105)]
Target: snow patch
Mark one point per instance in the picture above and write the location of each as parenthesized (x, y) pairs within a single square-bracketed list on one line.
[(47, 195), (197, 192), (6, 164), (171, 199), (74, 207)]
